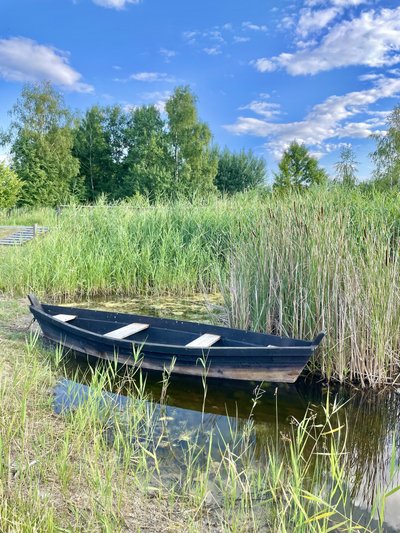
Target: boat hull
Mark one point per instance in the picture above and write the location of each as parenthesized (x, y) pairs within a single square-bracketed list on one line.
[(240, 362)]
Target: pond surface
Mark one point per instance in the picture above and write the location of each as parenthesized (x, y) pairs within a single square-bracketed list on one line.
[(373, 417)]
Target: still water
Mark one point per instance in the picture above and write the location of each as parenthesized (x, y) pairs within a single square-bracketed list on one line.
[(372, 417)]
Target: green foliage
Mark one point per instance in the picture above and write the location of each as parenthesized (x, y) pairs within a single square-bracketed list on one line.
[(122, 153), (102, 141), (41, 141), (194, 163), (346, 167), (387, 154), (148, 165), (238, 172), (298, 169), (115, 126), (92, 150), (10, 187)]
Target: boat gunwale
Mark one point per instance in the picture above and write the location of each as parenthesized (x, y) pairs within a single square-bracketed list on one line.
[(124, 342)]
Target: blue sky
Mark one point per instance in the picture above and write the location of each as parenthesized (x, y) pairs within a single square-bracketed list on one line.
[(325, 73)]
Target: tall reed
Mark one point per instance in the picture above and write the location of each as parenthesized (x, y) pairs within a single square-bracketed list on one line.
[(324, 261)]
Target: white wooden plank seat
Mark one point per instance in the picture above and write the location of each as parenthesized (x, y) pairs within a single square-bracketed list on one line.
[(204, 341), (126, 331), (65, 318)]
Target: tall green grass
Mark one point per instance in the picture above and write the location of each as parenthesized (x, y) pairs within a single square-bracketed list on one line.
[(325, 261), (175, 249)]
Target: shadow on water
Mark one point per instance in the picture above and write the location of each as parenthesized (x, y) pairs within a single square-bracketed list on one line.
[(372, 417)]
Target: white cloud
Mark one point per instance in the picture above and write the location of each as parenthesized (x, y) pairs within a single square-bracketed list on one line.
[(264, 65), (340, 3), (167, 54), (128, 108), (348, 3), (157, 98), (370, 77), (372, 39), (213, 51), (311, 21), (152, 77), (214, 35), (265, 109), (25, 60), (254, 27), (115, 4), (239, 39), (213, 41), (190, 36), (331, 119)]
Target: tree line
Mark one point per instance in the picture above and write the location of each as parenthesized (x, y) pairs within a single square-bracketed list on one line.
[(116, 152), (56, 155)]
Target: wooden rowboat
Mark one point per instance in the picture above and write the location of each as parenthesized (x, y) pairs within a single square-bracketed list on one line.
[(227, 353)]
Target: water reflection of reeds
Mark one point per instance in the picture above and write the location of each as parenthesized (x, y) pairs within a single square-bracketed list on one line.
[(373, 442)]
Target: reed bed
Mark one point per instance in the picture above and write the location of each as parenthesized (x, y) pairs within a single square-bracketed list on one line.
[(102, 468), (325, 262), (293, 264)]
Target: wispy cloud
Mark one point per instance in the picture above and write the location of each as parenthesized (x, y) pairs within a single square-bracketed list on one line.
[(25, 60), (333, 119), (152, 77), (190, 36), (247, 25), (213, 51), (372, 39), (341, 3), (311, 21), (261, 107), (370, 77), (167, 54), (156, 98), (115, 4), (215, 40), (240, 39)]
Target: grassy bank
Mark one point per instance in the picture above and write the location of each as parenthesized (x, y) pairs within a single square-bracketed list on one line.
[(292, 265), (99, 468)]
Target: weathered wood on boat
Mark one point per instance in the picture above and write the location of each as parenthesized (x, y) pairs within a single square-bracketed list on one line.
[(126, 331), (65, 318), (237, 354), (204, 341)]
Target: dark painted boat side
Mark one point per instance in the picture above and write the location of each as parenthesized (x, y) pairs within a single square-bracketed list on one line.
[(239, 354)]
